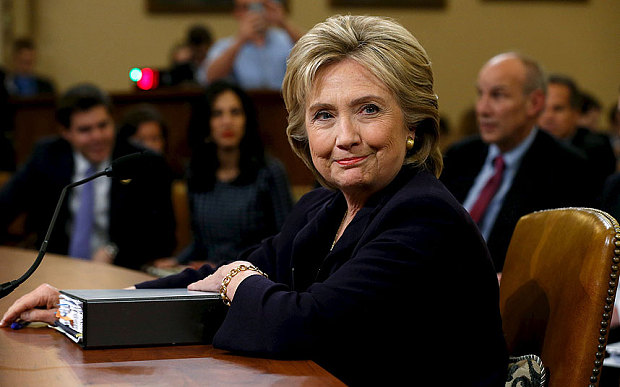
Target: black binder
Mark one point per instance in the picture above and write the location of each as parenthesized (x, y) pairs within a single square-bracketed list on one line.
[(141, 317)]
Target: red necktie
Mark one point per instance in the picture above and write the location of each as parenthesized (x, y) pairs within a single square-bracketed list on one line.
[(489, 190)]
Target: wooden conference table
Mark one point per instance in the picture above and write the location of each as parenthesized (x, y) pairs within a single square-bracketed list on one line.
[(42, 356)]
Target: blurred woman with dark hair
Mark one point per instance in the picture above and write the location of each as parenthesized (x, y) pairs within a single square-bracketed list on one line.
[(238, 196)]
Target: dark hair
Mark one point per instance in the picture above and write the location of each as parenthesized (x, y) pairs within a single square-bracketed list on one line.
[(135, 117), (589, 102), (204, 161), (574, 94), (23, 43), (199, 34), (80, 98)]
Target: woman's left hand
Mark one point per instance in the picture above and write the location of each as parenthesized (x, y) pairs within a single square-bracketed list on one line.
[(213, 282)]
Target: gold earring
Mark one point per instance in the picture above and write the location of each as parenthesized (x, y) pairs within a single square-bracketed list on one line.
[(410, 143)]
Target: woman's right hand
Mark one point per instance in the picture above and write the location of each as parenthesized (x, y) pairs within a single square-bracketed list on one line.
[(39, 305)]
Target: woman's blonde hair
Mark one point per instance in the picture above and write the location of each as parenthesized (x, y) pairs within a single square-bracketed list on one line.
[(388, 51)]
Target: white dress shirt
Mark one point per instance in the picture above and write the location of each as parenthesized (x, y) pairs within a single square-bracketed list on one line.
[(100, 236)]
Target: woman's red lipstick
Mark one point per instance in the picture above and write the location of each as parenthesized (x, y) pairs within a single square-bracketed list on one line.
[(351, 160)]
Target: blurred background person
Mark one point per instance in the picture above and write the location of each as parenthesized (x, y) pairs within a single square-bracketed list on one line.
[(512, 168), (199, 40), (144, 126), (237, 194), (614, 129), (590, 113), (560, 117), (22, 81), (103, 220), (255, 58), (188, 58)]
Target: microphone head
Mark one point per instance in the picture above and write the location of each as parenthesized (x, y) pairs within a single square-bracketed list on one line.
[(133, 165)]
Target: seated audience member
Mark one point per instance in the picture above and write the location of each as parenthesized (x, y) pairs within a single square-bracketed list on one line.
[(611, 204), (188, 59), (512, 168), (614, 129), (364, 267), (238, 196), (22, 80), (560, 117), (590, 113), (180, 54), (199, 40), (143, 126), (255, 58), (103, 220)]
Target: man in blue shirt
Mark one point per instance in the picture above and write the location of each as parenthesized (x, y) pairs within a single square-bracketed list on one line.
[(255, 58), (537, 171), (22, 80)]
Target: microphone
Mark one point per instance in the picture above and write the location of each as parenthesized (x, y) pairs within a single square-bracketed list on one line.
[(123, 168), (132, 165)]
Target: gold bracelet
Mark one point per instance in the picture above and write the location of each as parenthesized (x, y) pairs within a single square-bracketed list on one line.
[(229, 277)]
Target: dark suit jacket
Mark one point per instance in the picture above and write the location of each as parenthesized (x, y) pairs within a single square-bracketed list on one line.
[(597, 149), (380, 308), (141, 218), (551, 175), (611, 196)]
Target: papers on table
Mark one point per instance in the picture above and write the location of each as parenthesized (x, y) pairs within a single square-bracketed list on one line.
[(70, 318)]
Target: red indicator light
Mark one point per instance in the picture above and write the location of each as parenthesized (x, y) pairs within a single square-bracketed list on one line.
[(149, 80)]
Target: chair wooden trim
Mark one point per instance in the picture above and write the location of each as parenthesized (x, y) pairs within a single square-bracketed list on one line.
[(558, 288)]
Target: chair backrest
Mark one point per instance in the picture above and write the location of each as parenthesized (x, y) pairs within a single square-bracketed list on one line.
[(558, 288)]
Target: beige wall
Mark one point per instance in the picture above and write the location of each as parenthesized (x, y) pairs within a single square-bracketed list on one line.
[(100, 40)]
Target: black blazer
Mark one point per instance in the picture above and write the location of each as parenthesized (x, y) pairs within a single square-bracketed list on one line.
[(551, 175), (409, 280), (141, 217), (597, 149)]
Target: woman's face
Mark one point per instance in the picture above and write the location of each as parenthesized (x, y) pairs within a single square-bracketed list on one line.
[(227, 120), (150, 135), (356, 129)]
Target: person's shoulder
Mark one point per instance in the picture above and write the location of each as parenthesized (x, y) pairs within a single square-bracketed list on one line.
[(424, 200), (317, 197), (274, 165), (547, 146), (423, 192), (52, 145)]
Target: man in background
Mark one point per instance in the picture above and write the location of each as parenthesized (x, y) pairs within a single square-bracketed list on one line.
[(104, 220), (255, 58), (511, 168), (22, 80), (560, 117)]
